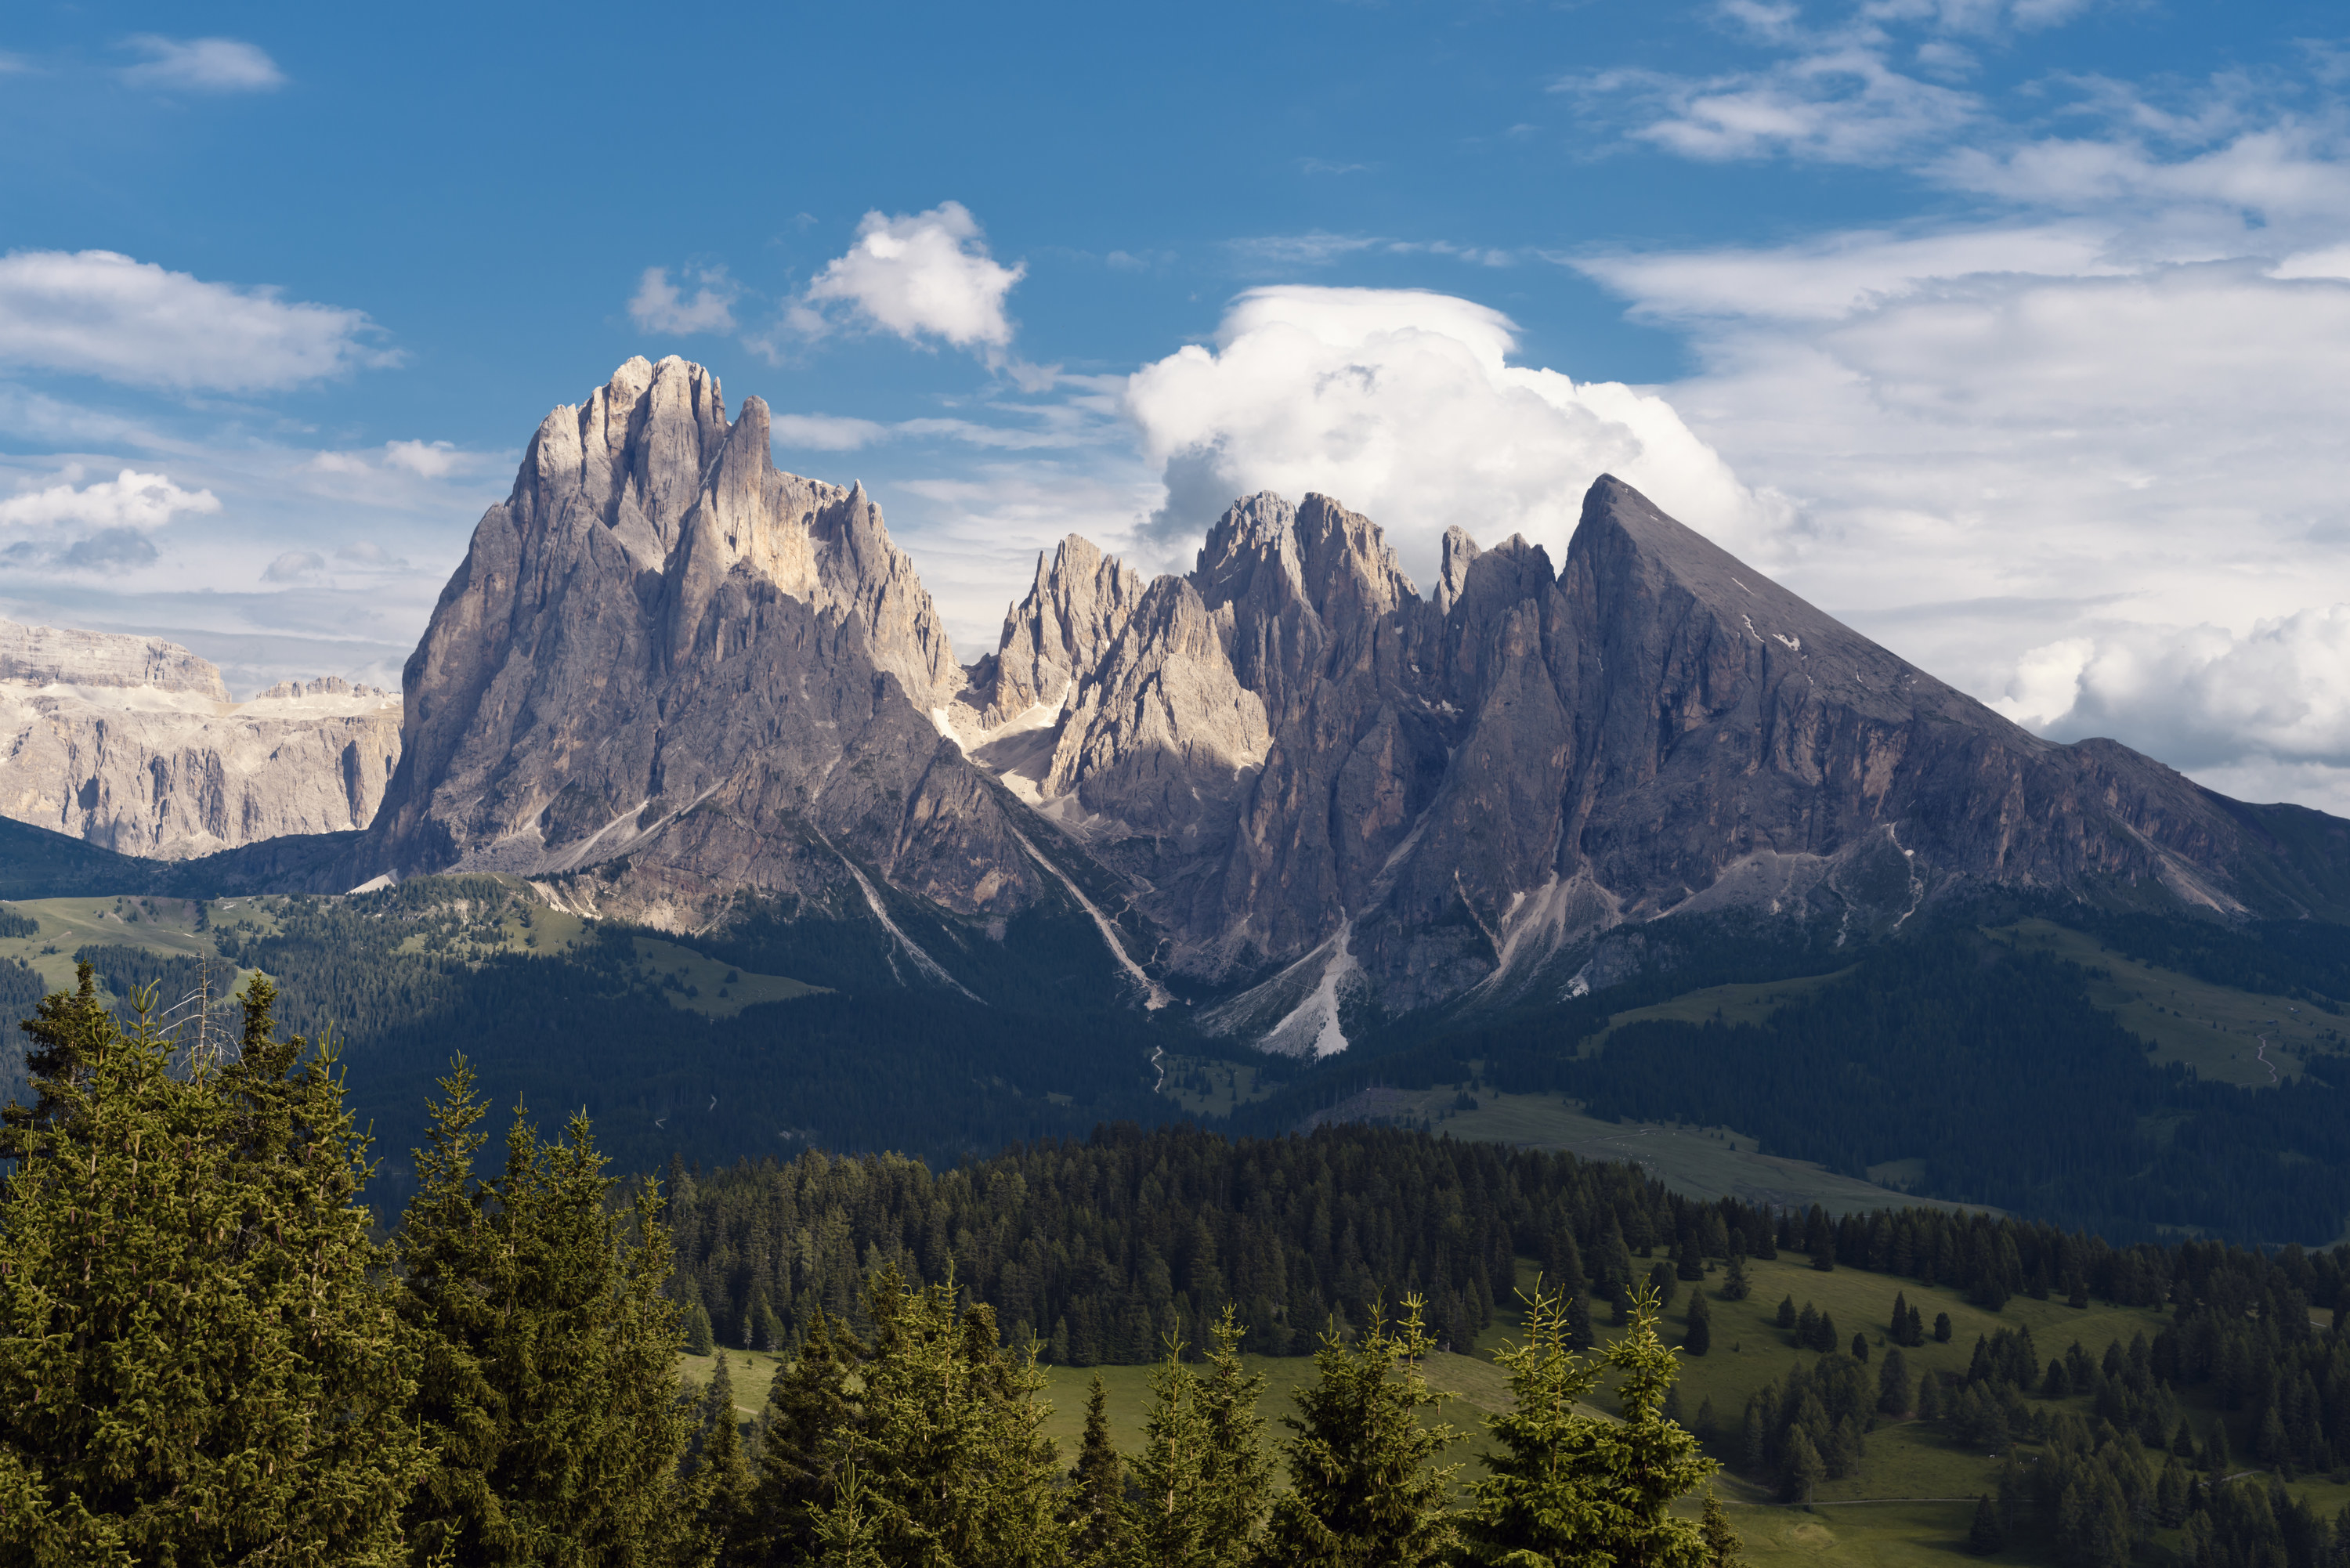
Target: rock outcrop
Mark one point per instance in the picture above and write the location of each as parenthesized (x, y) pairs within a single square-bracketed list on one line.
[(1350, 794), (132, 744), (667, 663)]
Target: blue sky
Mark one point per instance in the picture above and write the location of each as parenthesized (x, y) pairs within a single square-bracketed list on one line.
[(2010, 330)]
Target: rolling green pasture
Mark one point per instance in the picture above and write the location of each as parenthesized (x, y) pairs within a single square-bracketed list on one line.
[(2215, 1028)]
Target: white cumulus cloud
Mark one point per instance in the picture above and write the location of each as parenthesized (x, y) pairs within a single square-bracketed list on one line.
[(129, 499), (1403, 405), (923, 275), (661, 305), (98, 312), (203, 65)]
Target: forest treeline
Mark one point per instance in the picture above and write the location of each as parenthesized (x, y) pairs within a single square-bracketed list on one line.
[(1097, 1248), (205, 1358)]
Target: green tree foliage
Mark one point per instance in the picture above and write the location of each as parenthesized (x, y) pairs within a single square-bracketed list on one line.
[(1570, 1490), (1362, 1488), (1986, 1534), (1699, 1337), (921, 1447), (1203, 1480), (549, 1346), (1722, 1542), (1101, 1533), (718, 1476), (200, 1361)]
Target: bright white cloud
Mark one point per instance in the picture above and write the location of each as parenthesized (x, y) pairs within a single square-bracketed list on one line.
[(129, 499), (1403, 405), (96, 313), (2201, 695), (203, 65), (659, 306), (924, 274)]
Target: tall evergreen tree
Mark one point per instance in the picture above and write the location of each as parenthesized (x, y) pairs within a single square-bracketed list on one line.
[(1570, 1490), (550, 1346), (1700, 1338), (949, 1458), (199, 1361), (721, 1476), (1094, 1511), (1722, 1542), (809, 1425), (1204, 1477), (1362, 1489)]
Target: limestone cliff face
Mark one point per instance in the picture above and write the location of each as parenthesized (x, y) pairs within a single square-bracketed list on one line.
[(132, 744), (665, 659), (1329, 786)]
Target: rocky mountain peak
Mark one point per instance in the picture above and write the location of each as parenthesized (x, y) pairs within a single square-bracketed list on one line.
[(1078, 605)]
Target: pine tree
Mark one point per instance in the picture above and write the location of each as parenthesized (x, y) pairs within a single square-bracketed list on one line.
[(1699, 1337), (1787, 1318), (1806, 1468), (1722, 1542), (721, 1477), (809, 1425), (1205, 1478), (1860, 1348), (1238, 1492), (550, 1348), (951, 1461), (1986, 1535), (1735, 1287), (1579, 1336), (1566, 1488), (199, 1361), (68, 1029), (1893, 1384), (1900, 1318), (699, 1340), (1942, 1328), (1361, 1488), (1094, 1506)]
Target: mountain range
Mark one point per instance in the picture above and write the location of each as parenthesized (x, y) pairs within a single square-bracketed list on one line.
[(1288, 791)]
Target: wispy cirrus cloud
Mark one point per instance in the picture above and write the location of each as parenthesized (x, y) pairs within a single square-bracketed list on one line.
[(201, 64)]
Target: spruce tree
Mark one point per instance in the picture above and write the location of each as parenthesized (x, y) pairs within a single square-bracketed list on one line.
[(1735, 1287), (1579, 1336), (199, 1361), (720, 1477), (1362, 1490), (1239, 1477), (1094, 1511), (1722, 1542), (1893, 1384), (950, 1461), (550, 1348), (810, 1425), (1700, 1338), (1568, 1488), (1986, 1535)]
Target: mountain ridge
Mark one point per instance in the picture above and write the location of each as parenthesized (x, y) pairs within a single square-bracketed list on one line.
[(1284, 786)]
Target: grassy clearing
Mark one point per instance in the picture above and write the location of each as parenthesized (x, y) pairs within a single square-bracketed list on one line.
[(1749, 1004), (164, 926), (2215, 1028), (704, 985), (1230, 1084)]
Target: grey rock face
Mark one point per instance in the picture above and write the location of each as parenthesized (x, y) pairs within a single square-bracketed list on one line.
[(1074, 611), (1447, 794), (665, 659), (132, 744)]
